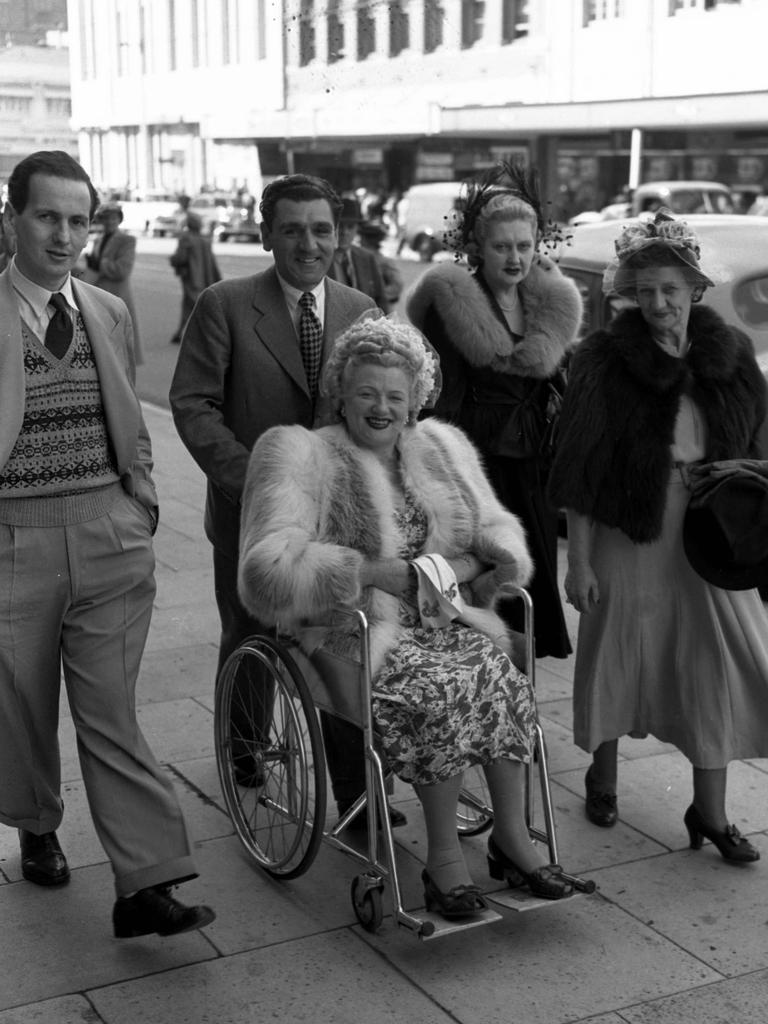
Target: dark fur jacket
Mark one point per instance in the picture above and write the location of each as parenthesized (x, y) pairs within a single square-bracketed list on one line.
[(492, 382), (621, 404), (315, 505)]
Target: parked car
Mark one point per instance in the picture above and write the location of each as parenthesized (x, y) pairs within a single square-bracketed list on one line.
[(213, 209), (734, 253), (681, 197), (427, 215), (240, 227)]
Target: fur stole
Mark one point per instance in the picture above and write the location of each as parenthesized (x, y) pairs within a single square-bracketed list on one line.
[(315, 506), (621, 404), (551, 304)]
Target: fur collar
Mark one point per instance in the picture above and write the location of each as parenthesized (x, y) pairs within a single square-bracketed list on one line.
[(551, 304), (714, 353)]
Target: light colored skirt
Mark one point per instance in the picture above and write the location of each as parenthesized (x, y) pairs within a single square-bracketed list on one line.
[(668, 654)]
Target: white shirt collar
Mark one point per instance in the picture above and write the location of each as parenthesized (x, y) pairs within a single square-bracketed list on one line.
[(292, 296), (35, 296)]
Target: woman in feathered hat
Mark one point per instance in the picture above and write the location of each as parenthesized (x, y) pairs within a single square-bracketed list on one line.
[(502, 333), (667, 387)]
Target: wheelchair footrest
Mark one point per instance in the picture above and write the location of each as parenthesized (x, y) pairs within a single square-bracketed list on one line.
[(444, 927), (521, 899)]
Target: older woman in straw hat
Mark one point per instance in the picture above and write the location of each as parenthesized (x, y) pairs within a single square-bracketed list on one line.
[(666, 388)]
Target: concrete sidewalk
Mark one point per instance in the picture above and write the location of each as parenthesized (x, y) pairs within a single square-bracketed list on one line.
[(672, 936)]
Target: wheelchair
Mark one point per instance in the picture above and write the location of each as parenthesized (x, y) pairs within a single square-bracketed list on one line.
[(272, 769)]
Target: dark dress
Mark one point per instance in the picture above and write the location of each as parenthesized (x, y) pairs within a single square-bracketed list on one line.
[(505, 416)]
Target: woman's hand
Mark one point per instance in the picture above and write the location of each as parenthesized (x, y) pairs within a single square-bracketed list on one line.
[(393, 575), (581, 587)]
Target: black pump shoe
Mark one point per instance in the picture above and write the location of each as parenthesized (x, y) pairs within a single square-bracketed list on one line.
[(154, 911), (547, 881), (731, 844), (460, 901)]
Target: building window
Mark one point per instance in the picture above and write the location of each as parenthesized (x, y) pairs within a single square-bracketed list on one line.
[(399, 29), (514, 20), (226, 55), (143, 37), (261, 30), (602, 10), (306, 32), (16, 105), (433, 25), (472, 16), (701, 5), (58, 106), (366, 29), (335, 32), (172, 34)]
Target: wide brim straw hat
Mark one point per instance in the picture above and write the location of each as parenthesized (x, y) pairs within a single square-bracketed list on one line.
[(664, 233)]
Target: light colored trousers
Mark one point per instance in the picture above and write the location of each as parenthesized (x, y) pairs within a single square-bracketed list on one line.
[(81, 596)]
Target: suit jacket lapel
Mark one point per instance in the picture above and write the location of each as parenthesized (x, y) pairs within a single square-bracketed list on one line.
[(275, 328), (12, 383)]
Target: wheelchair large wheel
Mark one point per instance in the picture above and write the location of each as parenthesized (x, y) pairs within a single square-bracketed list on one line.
[(474, 815), (269, 751)]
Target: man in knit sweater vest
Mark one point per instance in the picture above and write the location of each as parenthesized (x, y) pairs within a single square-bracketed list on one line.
[(77, 513)]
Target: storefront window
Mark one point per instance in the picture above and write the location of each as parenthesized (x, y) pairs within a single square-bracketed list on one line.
[(602, 10)]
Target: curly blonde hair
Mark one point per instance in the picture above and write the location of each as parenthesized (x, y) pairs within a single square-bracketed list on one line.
[(383, 342)]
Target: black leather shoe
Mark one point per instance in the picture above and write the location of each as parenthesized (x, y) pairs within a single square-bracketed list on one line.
[(154, 911), (601, 807), (360, 823), (42, 860)]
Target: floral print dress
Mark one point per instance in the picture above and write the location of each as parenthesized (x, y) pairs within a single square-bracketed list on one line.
[(447, 699)]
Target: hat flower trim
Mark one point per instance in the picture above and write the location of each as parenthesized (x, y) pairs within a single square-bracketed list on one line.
[(662, 229)]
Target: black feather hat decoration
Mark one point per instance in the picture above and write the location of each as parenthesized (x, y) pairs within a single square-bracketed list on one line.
[(504, 178)]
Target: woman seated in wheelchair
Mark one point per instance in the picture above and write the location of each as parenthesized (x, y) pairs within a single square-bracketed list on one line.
[(339, 517)]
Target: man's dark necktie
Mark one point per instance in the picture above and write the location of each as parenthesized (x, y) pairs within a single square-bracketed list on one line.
[(311, 340), (59, 332)]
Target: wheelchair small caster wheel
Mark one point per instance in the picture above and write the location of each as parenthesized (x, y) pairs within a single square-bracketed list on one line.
[(366, 901), (587, 887)]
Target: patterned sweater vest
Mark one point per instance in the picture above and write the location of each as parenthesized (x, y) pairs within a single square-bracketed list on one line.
[(62, 450)]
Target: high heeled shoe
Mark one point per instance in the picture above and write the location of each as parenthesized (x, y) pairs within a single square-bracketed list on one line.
[(546, 881), (731, 843), (460, 901)]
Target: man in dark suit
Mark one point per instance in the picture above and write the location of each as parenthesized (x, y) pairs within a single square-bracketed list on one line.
[(352, 265), (241, 370), (77, 512)]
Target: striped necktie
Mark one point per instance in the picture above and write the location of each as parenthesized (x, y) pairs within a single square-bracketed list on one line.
[(311, 341)]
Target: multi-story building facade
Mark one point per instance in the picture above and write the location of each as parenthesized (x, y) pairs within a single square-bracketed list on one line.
[(382, 93), (35, 105)]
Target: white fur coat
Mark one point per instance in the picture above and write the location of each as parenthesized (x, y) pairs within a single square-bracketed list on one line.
[(315, 506)]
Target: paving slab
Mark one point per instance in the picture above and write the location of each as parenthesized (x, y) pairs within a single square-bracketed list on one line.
[(742, 1000), (67, 1010), (715, 910), (332, 977), (546, 967), (62, 940)]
